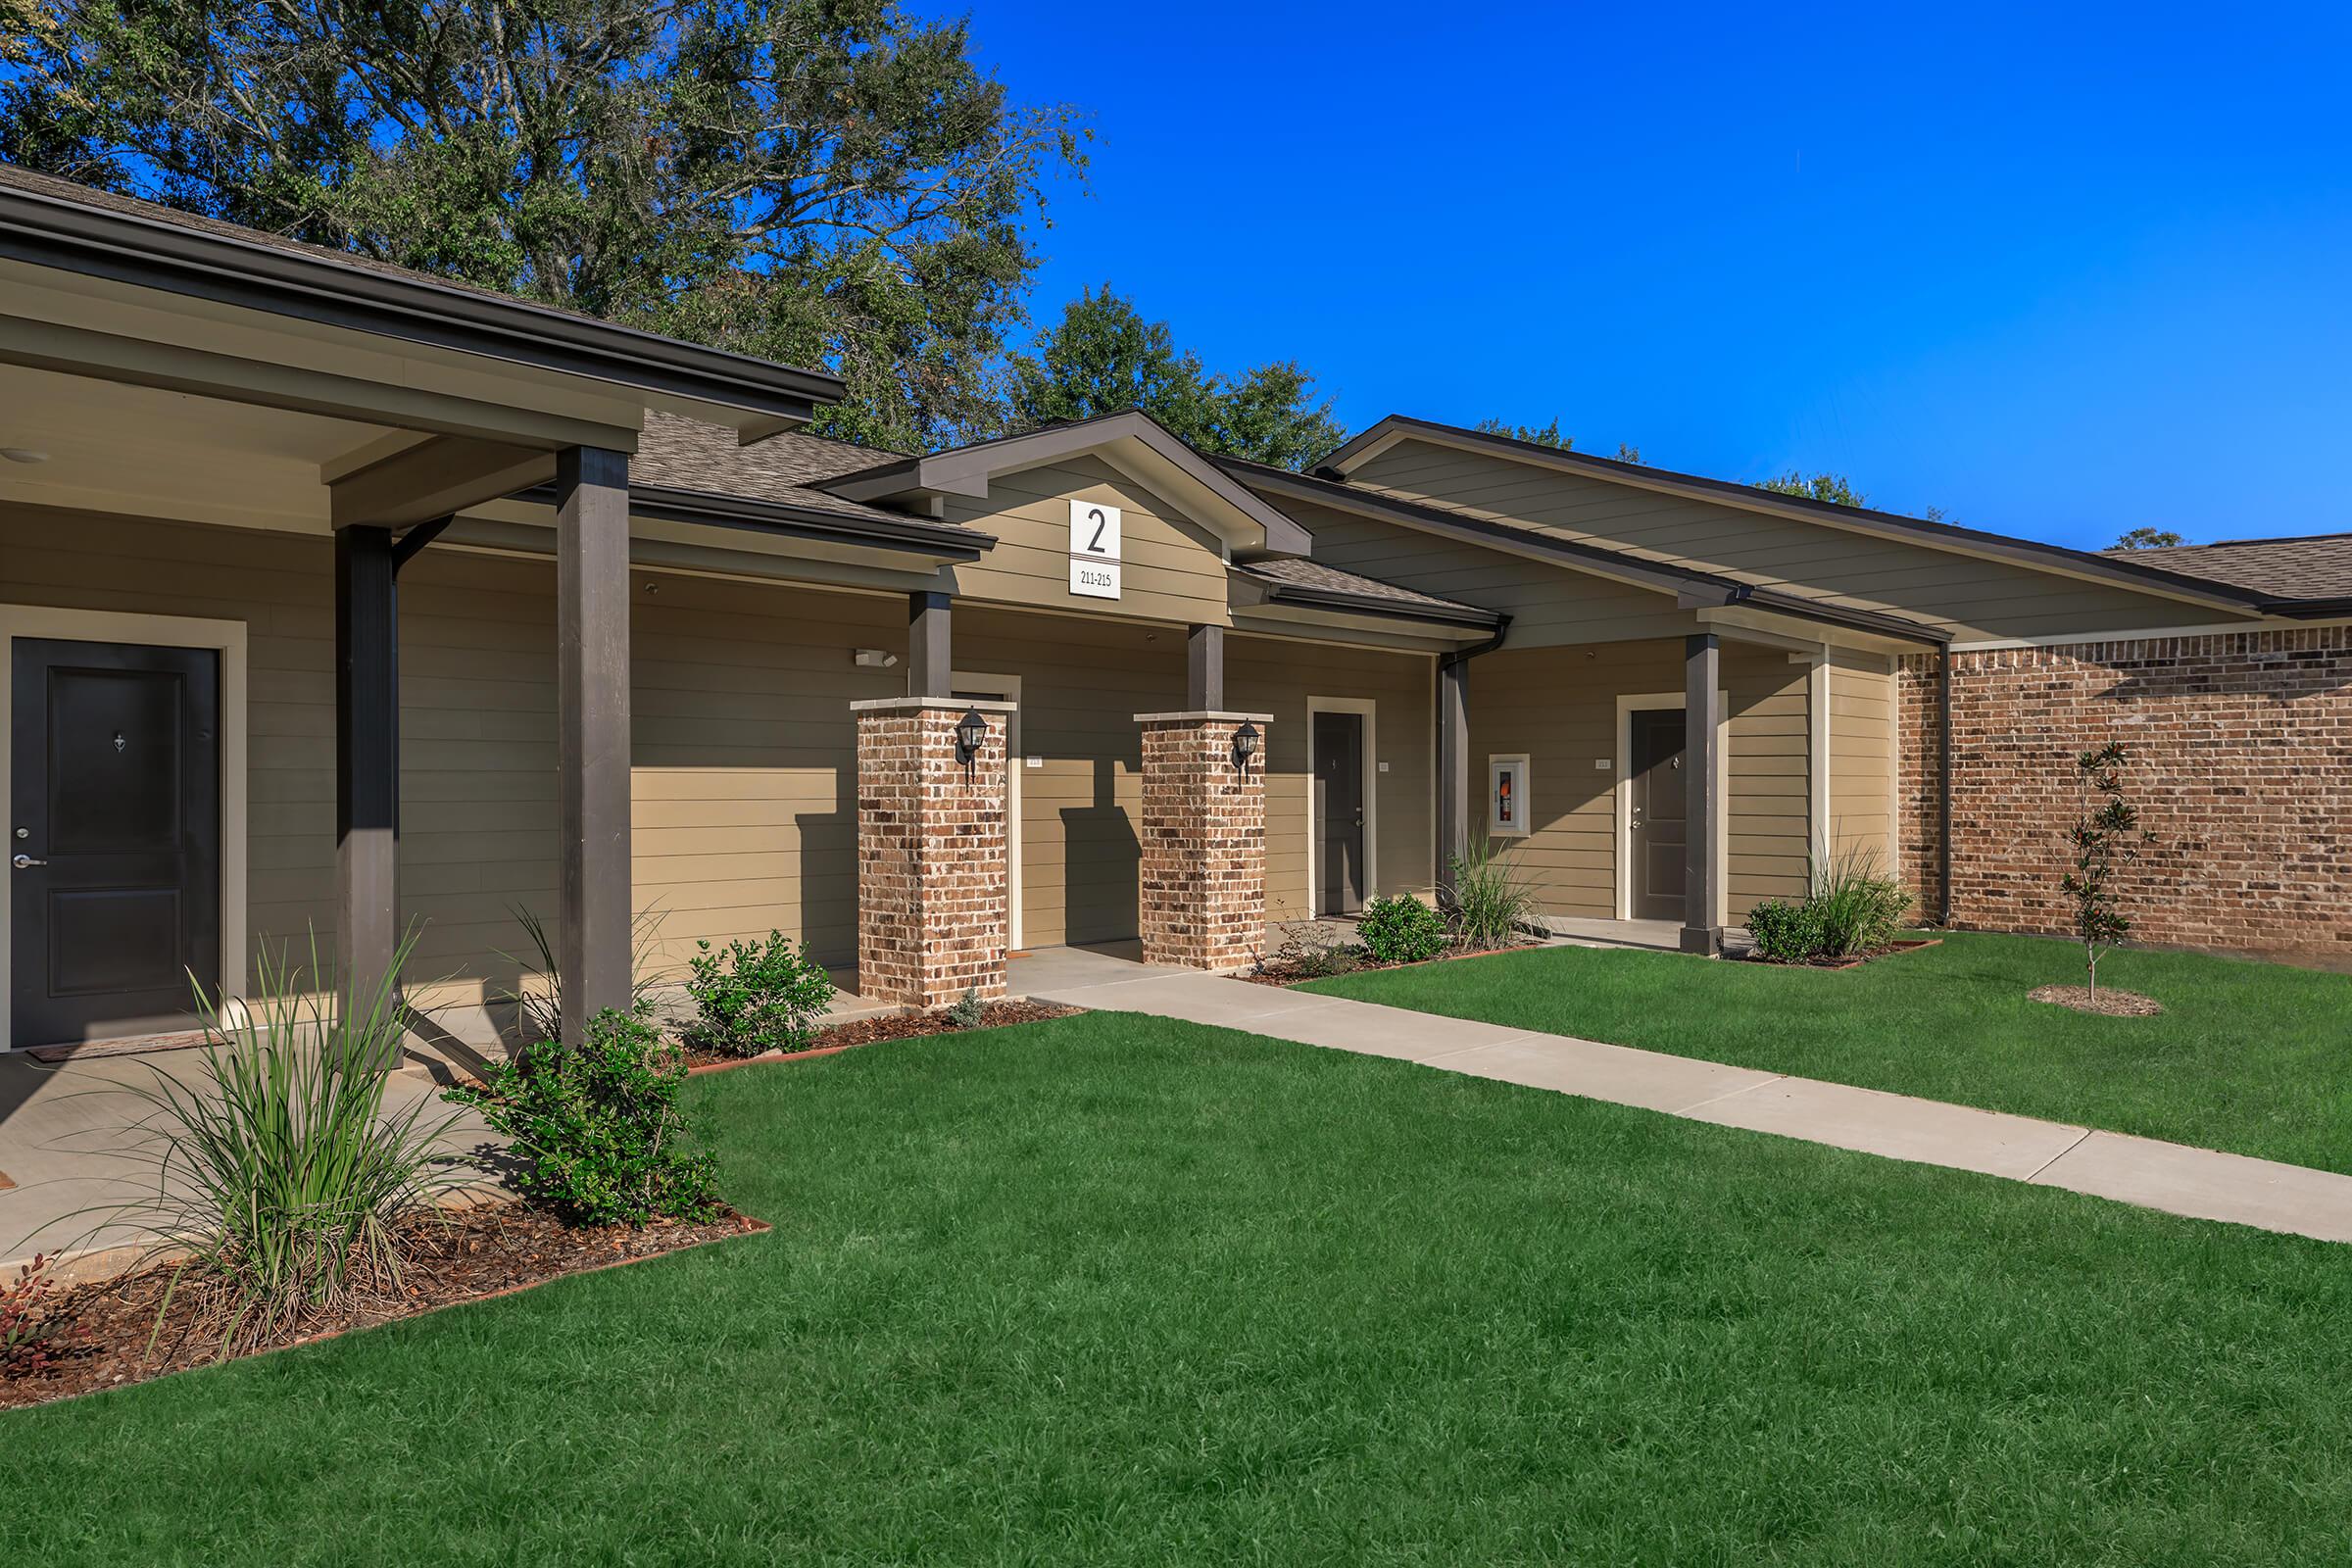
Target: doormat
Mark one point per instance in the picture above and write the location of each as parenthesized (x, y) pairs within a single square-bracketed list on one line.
[(135, 1045)]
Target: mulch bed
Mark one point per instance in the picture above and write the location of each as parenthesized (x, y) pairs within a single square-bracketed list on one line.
[(2109, 1003), (1907, 945), (886, 1026), (1284, 975), (491, 1249)]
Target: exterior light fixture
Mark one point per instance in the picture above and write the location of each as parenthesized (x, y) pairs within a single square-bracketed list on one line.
[(1244, 747), (971, 733)]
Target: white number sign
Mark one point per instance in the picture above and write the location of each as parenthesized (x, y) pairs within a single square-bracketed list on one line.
[(1093, 549)]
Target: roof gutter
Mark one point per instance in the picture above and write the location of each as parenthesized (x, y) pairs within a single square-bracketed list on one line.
[(913, 536), (55, 231)]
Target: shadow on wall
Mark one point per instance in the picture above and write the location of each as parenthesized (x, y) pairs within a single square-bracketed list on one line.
[(1102, 861), (829, 910)]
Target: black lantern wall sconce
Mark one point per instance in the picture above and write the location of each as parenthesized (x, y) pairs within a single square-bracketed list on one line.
[(971, 733), (1244, 747)]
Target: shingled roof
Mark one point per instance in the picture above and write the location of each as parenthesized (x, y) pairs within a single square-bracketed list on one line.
[(680, 453), (2316, 567), (1312, 580)]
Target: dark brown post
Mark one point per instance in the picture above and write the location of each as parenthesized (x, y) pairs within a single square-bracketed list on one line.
[(367, 761), (1204, 669), (1454, 766), (1703, 718), (592, 731), (930, 660)]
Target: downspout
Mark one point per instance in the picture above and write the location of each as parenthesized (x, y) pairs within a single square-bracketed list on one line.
[(1943, 782)]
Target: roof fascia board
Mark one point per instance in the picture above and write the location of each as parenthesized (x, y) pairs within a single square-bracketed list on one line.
[(2055, 558), (1794, 607), (913, 536), (1283, 593), (201, 373), (48, 230)]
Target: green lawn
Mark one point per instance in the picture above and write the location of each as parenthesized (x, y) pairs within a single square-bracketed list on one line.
[(1116, 1290), (2251, 1058)]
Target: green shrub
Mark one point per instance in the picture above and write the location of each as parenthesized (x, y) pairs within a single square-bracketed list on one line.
[(1784, 932), (1851, 911), (1486, 906), (1400, 930), (597, 1128), (751, 996), (968, 1011), (276, 1170)]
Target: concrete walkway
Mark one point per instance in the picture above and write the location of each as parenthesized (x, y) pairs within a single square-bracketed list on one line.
[(2173, 1177)]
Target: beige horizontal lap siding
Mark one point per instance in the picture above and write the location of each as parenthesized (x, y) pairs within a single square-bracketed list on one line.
[(1276, 675), (1971, 596), (1862, 758), (745, 785), (1768, 837), (1170, 569), (1547, 605), (1082, 684), (1559, 706)]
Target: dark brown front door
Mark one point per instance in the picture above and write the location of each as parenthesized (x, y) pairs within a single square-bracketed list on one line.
[(1339, 814), (113, 838), (1656, 820)]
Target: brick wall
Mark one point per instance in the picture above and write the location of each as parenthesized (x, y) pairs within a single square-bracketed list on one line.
[(932, 883), (1202, 882), (2242, 765)]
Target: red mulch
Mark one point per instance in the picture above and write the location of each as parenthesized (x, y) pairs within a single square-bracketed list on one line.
[(1284, 975), (886, 1026), (102, 1329), (1907, 945)]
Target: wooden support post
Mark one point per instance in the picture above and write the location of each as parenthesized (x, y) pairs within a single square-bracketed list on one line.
[(593, 947), (1453, 767), (366, 762), (930, 658), (1702, 774), (1204, 669)]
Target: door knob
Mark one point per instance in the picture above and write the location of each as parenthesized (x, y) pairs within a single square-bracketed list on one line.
[(25, 862)]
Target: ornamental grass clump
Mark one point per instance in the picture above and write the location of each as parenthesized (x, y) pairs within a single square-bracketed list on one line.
[(1853, 910), (1485, 904), (278, 1170)]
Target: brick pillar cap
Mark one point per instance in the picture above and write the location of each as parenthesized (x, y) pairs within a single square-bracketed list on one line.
[(913, 704), (1203, 714)]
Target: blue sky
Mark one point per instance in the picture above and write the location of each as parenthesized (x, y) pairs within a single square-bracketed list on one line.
[(2059, 276)]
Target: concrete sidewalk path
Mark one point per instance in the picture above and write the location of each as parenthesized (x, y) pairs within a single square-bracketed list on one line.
[(2174, 1177)]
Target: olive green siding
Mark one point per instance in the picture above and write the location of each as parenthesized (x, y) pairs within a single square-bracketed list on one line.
[(1172, 569), (1971, 596), (1547, 605), (1560, 707)]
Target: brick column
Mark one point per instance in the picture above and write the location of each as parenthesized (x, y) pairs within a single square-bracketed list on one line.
[(932, 883), (1201, 887)]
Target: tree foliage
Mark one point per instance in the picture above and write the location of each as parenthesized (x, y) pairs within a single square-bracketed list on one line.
[(2149, 539), (1548, 435), (1105, 356), (2105, 836), (828, 182), (1835, 487)]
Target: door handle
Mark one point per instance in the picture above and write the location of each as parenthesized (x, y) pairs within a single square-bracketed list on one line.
[(25, 862)]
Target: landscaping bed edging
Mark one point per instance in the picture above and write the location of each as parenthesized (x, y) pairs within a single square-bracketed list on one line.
[(128, 1305)]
